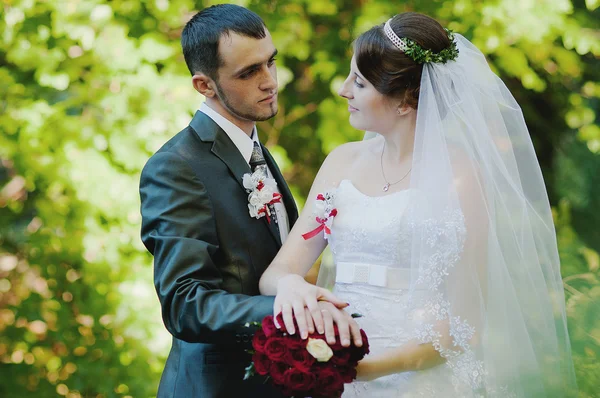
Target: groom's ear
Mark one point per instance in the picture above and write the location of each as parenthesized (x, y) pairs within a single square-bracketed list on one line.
[(204, 84)]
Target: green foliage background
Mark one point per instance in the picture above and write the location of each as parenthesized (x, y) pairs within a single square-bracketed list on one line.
[(89, 89)]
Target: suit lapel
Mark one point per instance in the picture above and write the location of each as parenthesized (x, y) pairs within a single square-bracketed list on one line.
[(225, 149), (288, 199), (222, 147)]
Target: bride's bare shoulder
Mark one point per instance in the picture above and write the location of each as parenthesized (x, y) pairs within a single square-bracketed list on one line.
[(340, 162), (349, 152)]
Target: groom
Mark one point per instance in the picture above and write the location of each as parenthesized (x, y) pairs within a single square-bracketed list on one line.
[(209, 252)]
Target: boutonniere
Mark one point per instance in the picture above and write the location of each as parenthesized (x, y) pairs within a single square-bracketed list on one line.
[(325, 212), (261, 193)]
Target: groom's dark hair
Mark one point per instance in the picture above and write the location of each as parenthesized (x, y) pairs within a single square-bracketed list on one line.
[(200, 36)]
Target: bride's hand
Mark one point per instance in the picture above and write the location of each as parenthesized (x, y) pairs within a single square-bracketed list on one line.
[(347, 326), (293, 295)]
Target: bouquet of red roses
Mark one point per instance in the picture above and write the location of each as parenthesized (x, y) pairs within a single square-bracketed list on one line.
[(303, 368)]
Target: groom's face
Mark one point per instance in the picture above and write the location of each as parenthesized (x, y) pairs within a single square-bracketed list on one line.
[(246, 84)]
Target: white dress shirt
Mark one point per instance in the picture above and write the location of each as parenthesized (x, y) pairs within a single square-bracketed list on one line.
[(245, 145)]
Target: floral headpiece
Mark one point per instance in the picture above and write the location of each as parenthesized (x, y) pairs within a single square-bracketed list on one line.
[(418, 53)]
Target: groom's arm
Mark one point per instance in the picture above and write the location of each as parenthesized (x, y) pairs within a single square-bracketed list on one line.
[(179, 229)]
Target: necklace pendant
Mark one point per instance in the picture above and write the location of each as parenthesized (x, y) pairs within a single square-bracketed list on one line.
[(386, 187)]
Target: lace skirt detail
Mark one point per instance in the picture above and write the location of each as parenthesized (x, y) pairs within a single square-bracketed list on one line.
[(388, 324)]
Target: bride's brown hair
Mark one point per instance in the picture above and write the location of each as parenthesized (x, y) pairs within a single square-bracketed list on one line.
[(388, 69)]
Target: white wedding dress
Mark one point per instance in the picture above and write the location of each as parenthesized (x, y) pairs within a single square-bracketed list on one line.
[(370, 241)]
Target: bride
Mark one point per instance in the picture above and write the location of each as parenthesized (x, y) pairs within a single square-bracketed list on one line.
[(439, 225)]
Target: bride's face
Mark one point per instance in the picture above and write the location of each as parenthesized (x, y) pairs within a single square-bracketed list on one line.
[(369, 109)]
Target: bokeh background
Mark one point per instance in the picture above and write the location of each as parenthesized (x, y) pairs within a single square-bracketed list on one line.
[(89, 89)]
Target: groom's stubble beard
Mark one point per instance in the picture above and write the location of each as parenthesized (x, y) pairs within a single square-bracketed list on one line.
[(246, 115)]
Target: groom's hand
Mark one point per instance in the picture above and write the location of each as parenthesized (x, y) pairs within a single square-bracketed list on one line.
[(294, 294), (347, 326)]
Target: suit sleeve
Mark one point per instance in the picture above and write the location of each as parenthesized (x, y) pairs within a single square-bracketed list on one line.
[(178, 228)]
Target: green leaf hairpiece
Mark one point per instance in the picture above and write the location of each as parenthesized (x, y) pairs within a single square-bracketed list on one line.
[(417, 53)]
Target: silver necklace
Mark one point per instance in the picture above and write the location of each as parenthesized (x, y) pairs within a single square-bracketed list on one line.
[(388, 184)]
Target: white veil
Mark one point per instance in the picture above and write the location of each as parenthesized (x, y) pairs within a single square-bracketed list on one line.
[(485, 277)]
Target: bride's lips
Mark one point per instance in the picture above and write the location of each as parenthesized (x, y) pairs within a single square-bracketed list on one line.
[(352, 109), (269, 99)]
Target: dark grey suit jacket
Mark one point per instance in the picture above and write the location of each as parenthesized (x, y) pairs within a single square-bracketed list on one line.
[(209, 255)]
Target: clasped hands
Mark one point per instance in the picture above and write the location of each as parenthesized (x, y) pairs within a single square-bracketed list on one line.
[(314, 308)]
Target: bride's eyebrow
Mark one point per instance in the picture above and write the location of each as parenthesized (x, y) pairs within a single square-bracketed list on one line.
[(359, 76)]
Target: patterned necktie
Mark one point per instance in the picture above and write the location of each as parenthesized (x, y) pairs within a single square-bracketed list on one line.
[(257, 161)]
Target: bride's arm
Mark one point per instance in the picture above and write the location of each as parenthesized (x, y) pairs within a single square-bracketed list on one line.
[(412, 356), (285, 275), (297, 255), (409, 357)]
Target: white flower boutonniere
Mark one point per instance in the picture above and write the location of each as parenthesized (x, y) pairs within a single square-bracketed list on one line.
[(261, 193), (325, 212)]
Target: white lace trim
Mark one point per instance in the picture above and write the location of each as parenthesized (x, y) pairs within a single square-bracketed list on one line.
[(446, 236), (445, 240)]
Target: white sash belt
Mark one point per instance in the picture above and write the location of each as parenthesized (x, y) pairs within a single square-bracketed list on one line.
[(372, 274)]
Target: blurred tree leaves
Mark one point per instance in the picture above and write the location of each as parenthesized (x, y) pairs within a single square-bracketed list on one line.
[(89, 89)]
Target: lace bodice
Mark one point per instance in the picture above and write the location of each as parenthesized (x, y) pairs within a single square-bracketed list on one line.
[(370, 229)]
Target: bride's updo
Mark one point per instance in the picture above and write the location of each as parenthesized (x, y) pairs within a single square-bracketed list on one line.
[(388, 69)]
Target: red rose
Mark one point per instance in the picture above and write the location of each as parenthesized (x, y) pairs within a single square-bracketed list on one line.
[(259, 340), (268, 326), (365, 341), (358, 353), (275, 348), (329, 382), (340, 357), (348, 373), (300, 359), (298, 380), (261, 363), (276, 371), (294, 342)]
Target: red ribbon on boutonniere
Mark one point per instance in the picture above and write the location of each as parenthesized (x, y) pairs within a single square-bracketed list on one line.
[(265, 209), (325, 212)]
